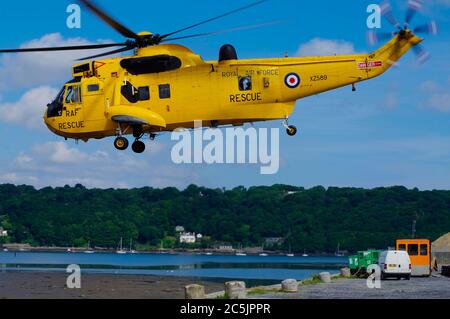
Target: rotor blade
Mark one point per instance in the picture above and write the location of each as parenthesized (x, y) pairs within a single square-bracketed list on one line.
[(215, 18), (386, 12), (249, 27), (430, 28), (414, 6), (123, 30), (421, 53), (106, 53), (68, 48), (374, 37)]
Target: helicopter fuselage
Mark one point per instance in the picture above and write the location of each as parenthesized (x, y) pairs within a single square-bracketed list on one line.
[(167, 87)]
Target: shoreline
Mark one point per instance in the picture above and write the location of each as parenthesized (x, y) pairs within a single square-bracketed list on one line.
[(157, 252), (47, 285), (52, 285)]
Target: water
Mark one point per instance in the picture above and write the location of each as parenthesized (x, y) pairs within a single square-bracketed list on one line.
[(253, 269)]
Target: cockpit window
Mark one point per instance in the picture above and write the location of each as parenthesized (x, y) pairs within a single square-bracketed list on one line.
[(54, 109), (73, 94), (60, 97), (69, 94)]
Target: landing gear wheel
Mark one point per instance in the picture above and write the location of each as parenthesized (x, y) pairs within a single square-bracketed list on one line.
[(291, 130), (121, 143), (137, 132), (138, 147)]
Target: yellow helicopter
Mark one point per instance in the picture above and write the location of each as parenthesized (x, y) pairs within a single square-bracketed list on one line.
[(163, 87)]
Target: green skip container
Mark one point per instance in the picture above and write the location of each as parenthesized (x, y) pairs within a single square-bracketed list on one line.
[(360, 262)]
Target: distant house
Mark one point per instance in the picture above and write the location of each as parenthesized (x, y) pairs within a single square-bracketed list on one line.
[(188, 238), (224, 248), (274, 241), (179, 229), (199, 236), (3, 233)]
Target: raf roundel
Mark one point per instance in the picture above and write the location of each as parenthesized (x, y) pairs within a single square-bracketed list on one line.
[(292, 80)]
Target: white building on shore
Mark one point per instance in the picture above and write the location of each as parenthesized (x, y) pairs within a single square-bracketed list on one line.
[(188, 238), (3, 233)]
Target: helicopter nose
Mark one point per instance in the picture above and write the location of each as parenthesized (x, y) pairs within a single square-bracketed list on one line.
[(45, 117)]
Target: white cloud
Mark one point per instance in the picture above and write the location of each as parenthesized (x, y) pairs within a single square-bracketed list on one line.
[(391, 100), (444, 2), (60, 153), (13, 178), (325, 47), (430, 148), (26, 70), (439, 102), (429, 86), (437, 96), (29, 109), (59, 164)]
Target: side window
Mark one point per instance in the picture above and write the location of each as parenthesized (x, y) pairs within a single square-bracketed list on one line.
[(130, 92), (144, 93), (423, 250), (76, 96), (134, 95), (245, 83), (93, 87), (164, 91), (413, 249), (402, 247)]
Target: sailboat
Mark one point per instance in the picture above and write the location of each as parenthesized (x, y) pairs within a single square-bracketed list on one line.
[(290, 254), (240, 252), (131, 251), (120, 250), (338, 252), (161, 248), (305, 254), (89, 250), (263, 254)]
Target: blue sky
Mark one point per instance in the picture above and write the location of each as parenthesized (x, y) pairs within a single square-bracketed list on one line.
[(395, 130)]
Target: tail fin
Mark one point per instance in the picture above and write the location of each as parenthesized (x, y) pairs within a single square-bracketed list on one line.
[(392, 51)]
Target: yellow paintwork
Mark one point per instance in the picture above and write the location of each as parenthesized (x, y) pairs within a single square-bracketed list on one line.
[(203, 90)]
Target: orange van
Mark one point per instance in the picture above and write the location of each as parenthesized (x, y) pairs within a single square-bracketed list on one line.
[(419, 251)]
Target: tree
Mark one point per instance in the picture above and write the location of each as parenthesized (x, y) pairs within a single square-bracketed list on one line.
[(314, 219)]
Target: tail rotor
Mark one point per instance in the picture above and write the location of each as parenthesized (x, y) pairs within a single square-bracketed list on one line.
[(414, 7)]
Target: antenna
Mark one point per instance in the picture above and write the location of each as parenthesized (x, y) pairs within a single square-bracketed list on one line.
[(414, 225)]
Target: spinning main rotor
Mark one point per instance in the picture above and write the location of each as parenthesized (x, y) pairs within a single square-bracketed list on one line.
[(139, 40)]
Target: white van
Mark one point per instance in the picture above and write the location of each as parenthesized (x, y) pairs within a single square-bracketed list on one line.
[(395, 263)]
